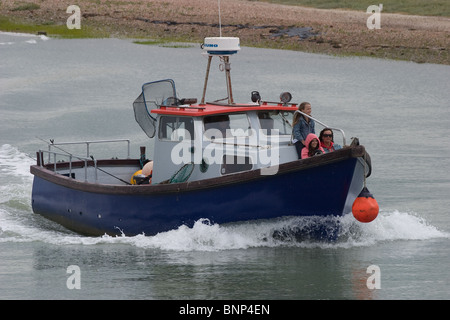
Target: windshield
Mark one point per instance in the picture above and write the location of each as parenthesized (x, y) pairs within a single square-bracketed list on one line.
[(153, 95), (276, 122)]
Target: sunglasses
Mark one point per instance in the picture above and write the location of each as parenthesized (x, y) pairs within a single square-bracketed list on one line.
[(327, 136)]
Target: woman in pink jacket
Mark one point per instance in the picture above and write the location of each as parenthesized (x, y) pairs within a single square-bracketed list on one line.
[(312, 146)]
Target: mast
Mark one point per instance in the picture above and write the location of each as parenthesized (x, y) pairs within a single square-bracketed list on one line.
[(223, 47)]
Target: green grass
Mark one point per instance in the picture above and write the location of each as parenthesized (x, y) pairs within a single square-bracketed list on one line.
[(163, 43), (414, 7), (150, 42), (27, 6), (50, 28)]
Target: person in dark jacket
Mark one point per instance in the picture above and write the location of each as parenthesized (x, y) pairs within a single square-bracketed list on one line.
[(302, 126)]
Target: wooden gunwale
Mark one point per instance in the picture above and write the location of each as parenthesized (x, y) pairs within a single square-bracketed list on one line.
[(46, 172)]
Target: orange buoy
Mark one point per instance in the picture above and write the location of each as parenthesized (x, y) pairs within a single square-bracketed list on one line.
[(365, 207)]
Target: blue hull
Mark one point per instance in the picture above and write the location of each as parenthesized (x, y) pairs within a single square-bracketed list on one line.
[(327, 188)]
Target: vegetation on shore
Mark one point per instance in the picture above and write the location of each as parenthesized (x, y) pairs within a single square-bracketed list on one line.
[(50, 28)]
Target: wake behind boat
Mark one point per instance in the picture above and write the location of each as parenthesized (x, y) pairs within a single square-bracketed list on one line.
[(222, 161)]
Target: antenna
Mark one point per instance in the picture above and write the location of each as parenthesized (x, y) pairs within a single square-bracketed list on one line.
[(223, 47), (220, 20)]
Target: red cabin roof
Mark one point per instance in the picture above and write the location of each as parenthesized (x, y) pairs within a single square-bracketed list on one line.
[(200, 110)]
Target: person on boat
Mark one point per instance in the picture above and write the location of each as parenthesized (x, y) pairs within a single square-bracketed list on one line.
[(327, 142), (302, 126), (312, 146)]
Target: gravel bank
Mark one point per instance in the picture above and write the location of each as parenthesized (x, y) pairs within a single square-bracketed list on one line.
[(340, 32)]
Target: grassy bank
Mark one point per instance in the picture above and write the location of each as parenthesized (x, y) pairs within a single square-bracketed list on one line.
[(14, 24)]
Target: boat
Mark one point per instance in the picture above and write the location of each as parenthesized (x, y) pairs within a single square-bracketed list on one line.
[(221, 162)]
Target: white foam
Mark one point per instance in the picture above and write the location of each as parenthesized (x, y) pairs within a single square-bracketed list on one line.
[(203, 236), (17, 36), (397, 225), (13, 162)]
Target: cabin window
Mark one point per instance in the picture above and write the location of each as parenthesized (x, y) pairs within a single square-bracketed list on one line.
[(176, 128), (233, 164), (276, 122), (226, 125)]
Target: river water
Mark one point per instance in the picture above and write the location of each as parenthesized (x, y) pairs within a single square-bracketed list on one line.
[(73, 90)]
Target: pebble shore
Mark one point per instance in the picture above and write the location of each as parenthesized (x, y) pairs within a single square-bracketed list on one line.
[(336, 32)]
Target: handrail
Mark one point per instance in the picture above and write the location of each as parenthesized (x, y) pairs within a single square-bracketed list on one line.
[(41, 162), (323, 124), (71, 156), (88, 143)]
